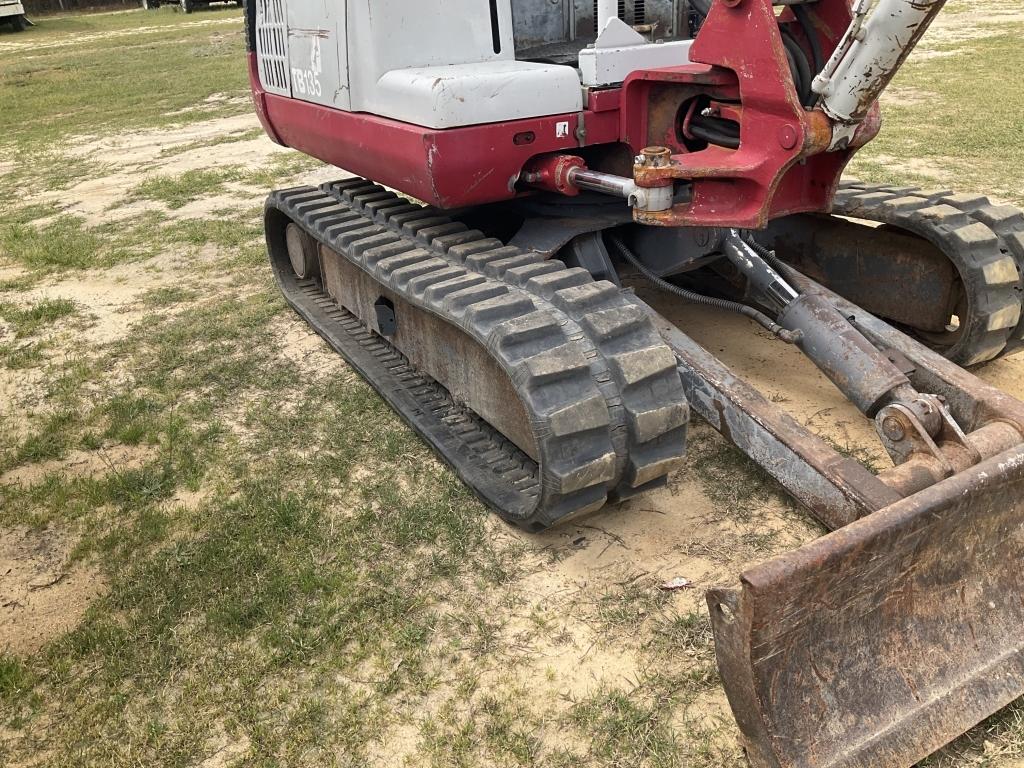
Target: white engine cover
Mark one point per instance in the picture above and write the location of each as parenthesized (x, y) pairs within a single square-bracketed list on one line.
[(11, 9), (434, 63), (467, 94)]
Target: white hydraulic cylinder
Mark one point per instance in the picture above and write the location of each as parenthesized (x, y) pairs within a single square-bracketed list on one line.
[(868, 57)]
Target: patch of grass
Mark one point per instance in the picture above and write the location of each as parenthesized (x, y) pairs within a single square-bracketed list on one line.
[(179, 191), (686, 635), (26, 214), (50, 169), (15, 678), (194, 146), (18, 284), (168, 296), (86, 86), (497, 727), (282, 167), (63, 243), (132, 419), (230, 234), (625, 730), (19, 356), (997, 741), (28, 321), (51, 441), (731, 480), (631, 604), (973, 138), (67, 243)]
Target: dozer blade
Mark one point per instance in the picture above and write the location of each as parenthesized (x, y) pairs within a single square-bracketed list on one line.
[(882, 641)]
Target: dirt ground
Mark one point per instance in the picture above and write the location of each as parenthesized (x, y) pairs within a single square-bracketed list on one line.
[(583, 610)]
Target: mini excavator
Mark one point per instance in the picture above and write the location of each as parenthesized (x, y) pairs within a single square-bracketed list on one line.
[(515, 166)]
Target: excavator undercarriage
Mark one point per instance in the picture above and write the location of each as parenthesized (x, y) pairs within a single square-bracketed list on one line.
[(500, 318), (551, 394)]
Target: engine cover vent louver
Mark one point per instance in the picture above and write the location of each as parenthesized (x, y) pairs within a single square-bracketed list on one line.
[(272, 46)]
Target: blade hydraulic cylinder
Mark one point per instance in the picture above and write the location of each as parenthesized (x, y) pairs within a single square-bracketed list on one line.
[(865, 375)]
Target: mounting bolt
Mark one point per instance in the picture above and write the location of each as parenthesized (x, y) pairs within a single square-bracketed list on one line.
[(893, 428), (788, 136)]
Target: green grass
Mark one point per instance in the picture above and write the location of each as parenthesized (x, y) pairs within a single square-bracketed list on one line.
[(51, 440), (27, 321), (628, 731), (287, 571), (90, 87), (168, 296), (15, 679), (178, 191), (61, 244), (130, 74), (966, 134), (66, 242)]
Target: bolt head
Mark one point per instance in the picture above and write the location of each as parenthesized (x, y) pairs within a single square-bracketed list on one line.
[(893, 429), (788, 136)]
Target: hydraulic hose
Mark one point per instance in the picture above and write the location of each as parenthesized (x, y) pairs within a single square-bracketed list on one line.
[(708, 301), (800, 67), (804, 18), (719, 132), (768, 255)]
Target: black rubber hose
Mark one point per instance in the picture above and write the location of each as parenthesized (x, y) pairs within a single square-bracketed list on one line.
[(715, 130), (719, 125), (794, 71), (804, 18), (771, 257), (698, 298), (800, 67), (714, 135)]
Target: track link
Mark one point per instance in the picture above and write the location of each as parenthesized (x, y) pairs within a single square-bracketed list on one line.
[(984, 241), (601, 389)]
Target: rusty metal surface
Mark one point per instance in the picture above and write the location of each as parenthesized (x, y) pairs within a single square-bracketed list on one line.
[(972, 402), (851, 362), (872, 267), (779, 165), (835, 489), (877, 644)]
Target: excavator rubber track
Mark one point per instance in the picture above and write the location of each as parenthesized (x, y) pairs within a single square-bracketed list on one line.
[(603, 399), (985, 243)]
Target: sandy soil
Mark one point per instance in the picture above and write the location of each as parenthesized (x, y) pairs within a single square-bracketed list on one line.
[(984, 19), (131, 158), (113, 458), (42, 594)]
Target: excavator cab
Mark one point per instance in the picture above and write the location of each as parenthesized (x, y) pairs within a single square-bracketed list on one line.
[(513, 164)]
